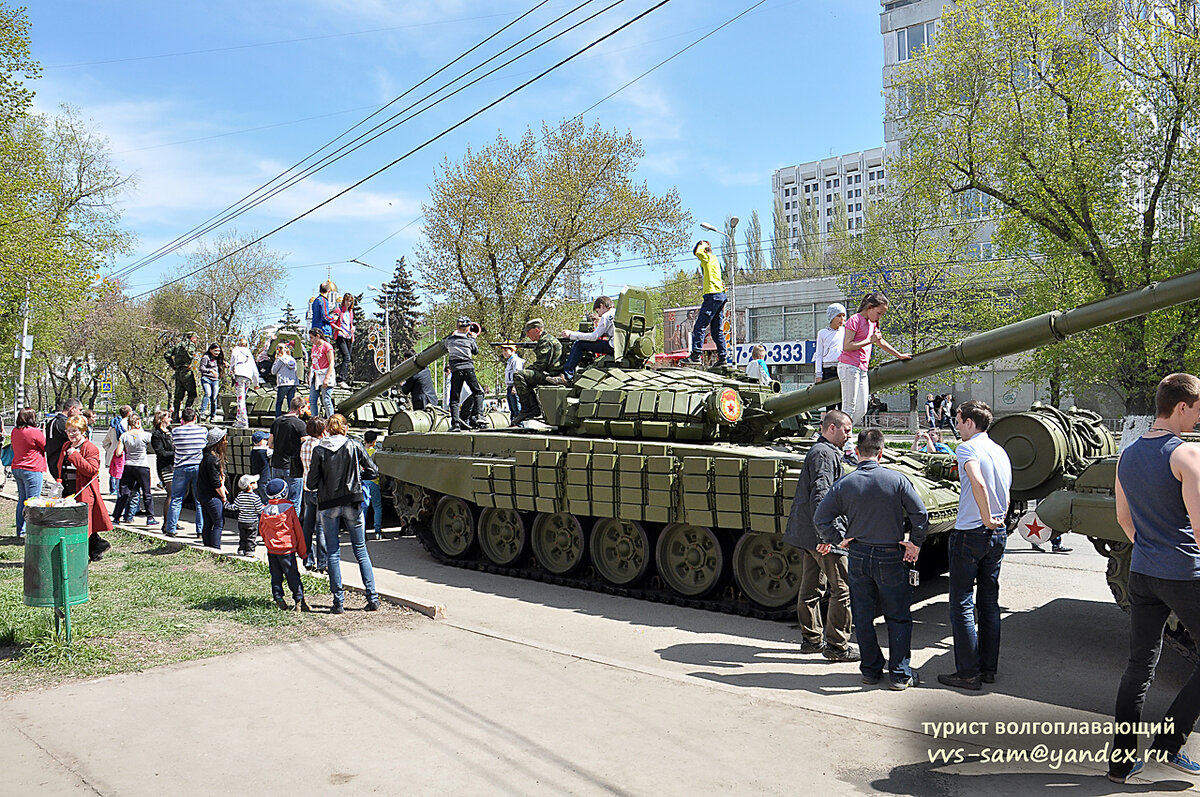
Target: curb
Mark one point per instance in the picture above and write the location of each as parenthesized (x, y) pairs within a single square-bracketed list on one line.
[(434, 611)]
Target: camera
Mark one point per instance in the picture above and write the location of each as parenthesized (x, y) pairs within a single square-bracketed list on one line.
[(475, 328), (914, 578)]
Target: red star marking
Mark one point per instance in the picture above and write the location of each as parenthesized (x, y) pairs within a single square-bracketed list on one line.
[(1035, 529)]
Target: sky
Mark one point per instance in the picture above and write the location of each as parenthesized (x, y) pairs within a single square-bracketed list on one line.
[(206, 102)]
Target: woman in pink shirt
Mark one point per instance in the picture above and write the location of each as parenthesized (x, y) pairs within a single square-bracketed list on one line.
[(320, 374), (861, 332), (29, 461)]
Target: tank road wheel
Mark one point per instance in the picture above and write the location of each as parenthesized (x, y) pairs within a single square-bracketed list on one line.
[(502, 535), (620, 551), (558, 543), (454, 527), (690, 559), (767, 569), (413, 503), (1119, 555)]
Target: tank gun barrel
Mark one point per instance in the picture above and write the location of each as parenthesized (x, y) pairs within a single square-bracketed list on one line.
[(1003, 341), (401, 372)]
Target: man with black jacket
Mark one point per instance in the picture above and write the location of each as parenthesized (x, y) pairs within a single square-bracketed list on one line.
[(823, 465), (56, 432), (336, 474), (419, 387), (875, 502)]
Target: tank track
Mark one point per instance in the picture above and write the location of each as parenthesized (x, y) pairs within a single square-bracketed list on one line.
[(1117, 573), (729, 602)]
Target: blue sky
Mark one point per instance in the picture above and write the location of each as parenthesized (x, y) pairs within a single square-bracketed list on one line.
[(204, 102)]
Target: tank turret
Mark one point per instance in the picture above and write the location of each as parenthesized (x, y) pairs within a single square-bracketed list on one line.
[(617, 397)]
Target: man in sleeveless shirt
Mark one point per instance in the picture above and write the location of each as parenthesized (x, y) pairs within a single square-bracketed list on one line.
[(1158, 507)]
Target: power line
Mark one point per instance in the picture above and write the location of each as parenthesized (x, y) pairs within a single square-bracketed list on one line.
[(226, 215), (426, 143)]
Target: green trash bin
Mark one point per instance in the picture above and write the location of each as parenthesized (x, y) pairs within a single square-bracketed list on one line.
[(47, 528)]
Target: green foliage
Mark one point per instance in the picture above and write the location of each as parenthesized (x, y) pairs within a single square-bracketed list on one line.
[(1072, 118), (755, 259), (506, 224)]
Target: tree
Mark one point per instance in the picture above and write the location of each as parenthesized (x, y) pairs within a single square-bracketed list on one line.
[(505, 223), (781, 256), (225, 300), (1072, 118), (16, 65), (290, 319), (755, 261), (59, 222)]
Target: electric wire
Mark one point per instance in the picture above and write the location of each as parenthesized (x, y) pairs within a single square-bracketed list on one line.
[(216, 220), (424, 144)]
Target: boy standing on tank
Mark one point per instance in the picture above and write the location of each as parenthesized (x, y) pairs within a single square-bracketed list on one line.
[(280, 529), (461, 349), (1158, 507), (711, 318)]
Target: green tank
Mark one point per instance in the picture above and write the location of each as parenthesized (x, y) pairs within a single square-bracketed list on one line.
[(673, 484), (374, 411), (1064, 472)]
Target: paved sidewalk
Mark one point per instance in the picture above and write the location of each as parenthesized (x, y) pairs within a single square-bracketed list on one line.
[(434, 710)]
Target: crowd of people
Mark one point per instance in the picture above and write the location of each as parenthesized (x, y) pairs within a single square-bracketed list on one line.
[(860, 536)]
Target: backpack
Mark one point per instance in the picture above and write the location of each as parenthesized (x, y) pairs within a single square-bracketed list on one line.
[(178, 357)]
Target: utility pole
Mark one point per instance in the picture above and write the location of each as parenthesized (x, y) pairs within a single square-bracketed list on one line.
[(24, 346)]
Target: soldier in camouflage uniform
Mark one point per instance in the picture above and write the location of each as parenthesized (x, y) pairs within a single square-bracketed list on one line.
[(181, 358), (542, 369)]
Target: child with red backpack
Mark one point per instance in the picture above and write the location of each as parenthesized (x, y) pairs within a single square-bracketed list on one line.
[(281, 533)]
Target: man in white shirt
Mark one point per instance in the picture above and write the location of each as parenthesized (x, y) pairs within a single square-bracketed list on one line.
[(829, 346), (512, 364), (977, 549), (598, 341)]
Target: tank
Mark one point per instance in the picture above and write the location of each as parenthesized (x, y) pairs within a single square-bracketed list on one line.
[(674, 484), (1065, 465), (365, 407)]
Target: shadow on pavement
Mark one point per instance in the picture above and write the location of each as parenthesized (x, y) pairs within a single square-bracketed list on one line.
[(1068, 653), (935, 779)]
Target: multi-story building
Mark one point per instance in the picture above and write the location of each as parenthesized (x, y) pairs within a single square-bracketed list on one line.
[(849, 181)]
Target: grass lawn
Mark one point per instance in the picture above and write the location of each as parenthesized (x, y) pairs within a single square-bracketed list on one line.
[(153, 602)]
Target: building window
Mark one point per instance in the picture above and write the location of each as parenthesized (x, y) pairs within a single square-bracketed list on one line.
[(835, 183), (787, 205), (828, 211), (857, 192), (912, 40), (829, 197), (858, 178), (806, 189), (858, 206), (829, 226)]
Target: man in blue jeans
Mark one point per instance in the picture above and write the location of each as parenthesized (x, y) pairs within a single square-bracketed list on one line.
[(711, 318), (189, 438), (1158, 507), (875, 501), (977, 548)]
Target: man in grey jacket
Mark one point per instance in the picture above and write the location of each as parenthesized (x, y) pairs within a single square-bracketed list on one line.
[(875, 502), (823, 465)]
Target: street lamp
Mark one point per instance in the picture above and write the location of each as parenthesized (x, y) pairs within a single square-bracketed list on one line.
[(733, 223)]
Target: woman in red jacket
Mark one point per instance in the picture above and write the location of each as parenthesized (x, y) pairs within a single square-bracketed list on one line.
[(29, 461), (78, 467)]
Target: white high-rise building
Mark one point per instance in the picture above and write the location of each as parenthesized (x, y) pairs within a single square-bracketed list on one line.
[(852, 180), (908, 26)]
